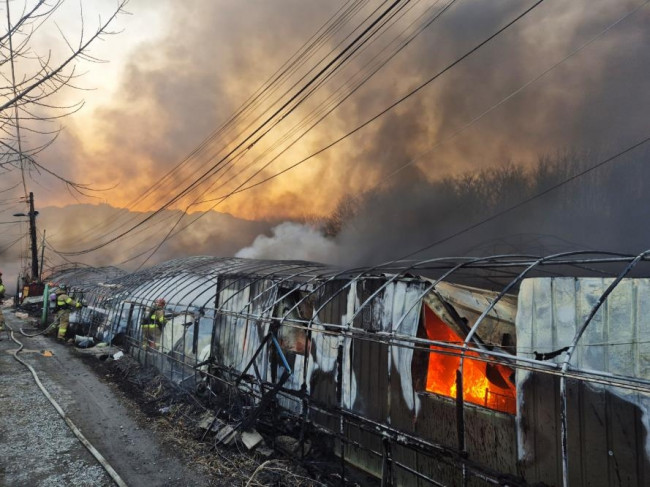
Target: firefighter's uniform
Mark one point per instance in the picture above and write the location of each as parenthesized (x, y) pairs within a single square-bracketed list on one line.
[(64, 304), (153, 324)]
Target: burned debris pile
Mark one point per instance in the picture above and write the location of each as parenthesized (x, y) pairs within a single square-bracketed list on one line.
[(200, 433)]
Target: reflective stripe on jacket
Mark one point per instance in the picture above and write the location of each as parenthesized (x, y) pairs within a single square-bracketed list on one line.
[(63, 301), (156, 319)]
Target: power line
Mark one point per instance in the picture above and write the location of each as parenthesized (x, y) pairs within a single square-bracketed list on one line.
[(358, 128), (382, 63), (320, 113), (205, 145), (333, 24), (4, 249), (252, 138), (382, 112), (455, 133), (9, 188)]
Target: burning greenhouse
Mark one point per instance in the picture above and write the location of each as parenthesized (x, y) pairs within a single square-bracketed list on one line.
[(501, 370)]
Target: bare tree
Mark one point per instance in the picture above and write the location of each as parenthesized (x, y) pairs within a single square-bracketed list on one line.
[(33, 77)]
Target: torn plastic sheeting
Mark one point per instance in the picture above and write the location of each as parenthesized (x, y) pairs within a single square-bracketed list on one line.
[(468, 304)]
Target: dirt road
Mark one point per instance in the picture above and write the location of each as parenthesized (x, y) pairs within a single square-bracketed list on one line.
[(38, 449)]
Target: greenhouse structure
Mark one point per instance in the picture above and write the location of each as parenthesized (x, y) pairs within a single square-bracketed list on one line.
[(509, 369)]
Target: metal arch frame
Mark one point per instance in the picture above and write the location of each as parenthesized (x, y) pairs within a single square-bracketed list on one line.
[(395, 277), (432, 286), (172, 273), (258, 278), (518, 279), (237, 277), (349, 283), (346, 326), (276, 285), (131, 283), (191, 278)]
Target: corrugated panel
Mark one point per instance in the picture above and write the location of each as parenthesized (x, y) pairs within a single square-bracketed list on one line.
[(606, 424)]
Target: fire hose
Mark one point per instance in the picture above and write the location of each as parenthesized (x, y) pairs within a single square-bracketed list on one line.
[(53, 325), (109, 470)]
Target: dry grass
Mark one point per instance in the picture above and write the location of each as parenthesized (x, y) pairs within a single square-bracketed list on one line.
[(177, 416)]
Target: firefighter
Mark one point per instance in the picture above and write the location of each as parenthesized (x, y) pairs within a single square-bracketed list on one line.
[(154, 321), (64, 304), (2, 297)]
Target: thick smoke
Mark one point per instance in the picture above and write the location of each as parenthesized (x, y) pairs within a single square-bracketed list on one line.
[(177, 89), (292, 241), (603, 210)]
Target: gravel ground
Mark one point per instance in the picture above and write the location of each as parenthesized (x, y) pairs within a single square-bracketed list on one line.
[(38, 449)]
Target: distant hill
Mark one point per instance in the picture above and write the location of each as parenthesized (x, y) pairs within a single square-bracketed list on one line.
[(76, 227)]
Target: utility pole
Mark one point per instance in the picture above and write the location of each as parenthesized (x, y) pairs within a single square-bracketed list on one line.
[(40, 274), (32, 234)]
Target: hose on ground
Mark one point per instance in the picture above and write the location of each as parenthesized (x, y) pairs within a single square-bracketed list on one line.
[(109, 470), (54, 324)]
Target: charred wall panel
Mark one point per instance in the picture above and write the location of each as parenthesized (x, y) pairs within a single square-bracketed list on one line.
[(402, 311), (490, 439), (437, 424), (370, 379), (325, 366)]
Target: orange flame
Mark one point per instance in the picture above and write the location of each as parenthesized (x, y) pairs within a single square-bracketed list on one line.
[(477, 387)]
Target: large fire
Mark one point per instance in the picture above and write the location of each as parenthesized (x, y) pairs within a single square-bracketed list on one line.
[(483, 383)]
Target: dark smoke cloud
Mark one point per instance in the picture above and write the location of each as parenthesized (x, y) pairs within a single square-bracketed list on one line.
[(177, 90), (602, 210)]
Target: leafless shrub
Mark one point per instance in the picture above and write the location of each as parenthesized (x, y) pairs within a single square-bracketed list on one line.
[(34, 77)]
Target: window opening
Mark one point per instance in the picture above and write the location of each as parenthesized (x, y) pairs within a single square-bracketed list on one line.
[(486, 384), (292, 335)]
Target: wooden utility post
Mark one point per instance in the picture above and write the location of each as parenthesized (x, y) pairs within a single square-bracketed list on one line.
[(40, 273), (32, 235)]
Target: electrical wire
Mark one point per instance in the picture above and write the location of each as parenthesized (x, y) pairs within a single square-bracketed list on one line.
[(375, 117), (331, 26), (339, 56), (275, 79), (7, 247), (470, 123)]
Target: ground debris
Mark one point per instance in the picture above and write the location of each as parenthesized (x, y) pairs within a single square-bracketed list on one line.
[(251, 439), (212, 444)]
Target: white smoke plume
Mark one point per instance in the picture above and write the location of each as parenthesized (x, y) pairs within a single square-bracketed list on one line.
[(292, 241)]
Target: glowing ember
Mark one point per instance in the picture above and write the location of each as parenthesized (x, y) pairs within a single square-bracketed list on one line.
[(495, 392)]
